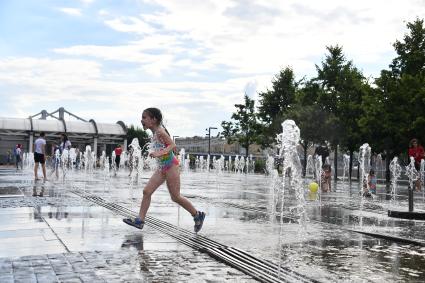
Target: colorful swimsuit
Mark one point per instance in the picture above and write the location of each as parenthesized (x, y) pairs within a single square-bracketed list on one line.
[(372, 184), (166, 161)]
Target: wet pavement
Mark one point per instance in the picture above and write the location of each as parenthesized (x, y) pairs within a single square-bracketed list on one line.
[(50, 234)]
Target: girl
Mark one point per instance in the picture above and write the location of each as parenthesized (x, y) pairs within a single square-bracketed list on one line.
[(168, 170), (56, 159), (325, 178), (65, 143), (372, 182)]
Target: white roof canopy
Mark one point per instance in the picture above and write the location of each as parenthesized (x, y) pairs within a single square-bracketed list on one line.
[(61, 126)]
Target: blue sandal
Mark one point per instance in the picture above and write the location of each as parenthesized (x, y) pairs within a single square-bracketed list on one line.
[(199, 221), (135, 222)]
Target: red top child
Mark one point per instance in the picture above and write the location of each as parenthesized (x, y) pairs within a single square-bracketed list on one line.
[(118, 151), (416, 151)]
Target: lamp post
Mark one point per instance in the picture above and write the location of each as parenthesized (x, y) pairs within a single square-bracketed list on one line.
[(174, 141), (209, 138)]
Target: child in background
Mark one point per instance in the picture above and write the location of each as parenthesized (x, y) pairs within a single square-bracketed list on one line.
[(325, 178), (18, 157), (372, 182)]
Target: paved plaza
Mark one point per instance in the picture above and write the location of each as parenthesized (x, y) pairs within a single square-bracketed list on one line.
[(72, 231)]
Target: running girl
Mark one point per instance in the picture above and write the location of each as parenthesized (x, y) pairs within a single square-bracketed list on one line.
[(168, 170)]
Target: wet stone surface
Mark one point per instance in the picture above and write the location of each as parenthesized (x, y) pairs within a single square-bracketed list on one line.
[(128, 265), (40, 201), (10, 192)]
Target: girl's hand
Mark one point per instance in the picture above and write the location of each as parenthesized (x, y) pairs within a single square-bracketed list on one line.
[(155, 154)]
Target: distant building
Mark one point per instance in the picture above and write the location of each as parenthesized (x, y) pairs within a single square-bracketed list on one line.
[(100, 136), (219, 146)]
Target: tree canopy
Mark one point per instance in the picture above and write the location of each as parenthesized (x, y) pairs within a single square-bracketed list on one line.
[(245, 124)]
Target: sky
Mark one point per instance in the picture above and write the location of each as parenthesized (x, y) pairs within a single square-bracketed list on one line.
[(108, 60)]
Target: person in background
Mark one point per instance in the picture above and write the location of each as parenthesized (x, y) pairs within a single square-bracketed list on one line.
[(417, 152), (325, 178), (118, 152), (372, 182), (323, 151), (55, 159), (77, 158), (39, 156), (65, 143), (18, 156), (9, 157)]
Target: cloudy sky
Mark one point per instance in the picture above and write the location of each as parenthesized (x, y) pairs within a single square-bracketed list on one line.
[(110, 59)]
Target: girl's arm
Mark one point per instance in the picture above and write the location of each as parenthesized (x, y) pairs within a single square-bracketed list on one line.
[(166, 139)]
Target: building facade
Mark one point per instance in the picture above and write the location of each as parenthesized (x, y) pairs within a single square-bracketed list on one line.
[(100, 136), (216, 146)]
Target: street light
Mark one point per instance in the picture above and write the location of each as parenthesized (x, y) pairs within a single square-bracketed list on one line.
[(209, 138), (174, 141)]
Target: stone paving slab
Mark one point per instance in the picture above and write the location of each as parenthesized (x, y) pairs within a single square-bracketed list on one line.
[(126, 265), (21, 233)]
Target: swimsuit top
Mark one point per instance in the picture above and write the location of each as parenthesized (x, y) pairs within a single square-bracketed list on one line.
[(165, 161), (372, 182)]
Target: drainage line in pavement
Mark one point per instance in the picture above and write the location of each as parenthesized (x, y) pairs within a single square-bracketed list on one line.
[(257, 268), (390, 238), (56, 235), (261, 275), (271, 265)]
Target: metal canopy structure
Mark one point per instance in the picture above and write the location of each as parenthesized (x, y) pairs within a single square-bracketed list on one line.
[(81, 132)]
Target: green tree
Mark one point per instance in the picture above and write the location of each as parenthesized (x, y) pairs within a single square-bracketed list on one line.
[(274, 104), (409, 70), (394, 110), (410, 51), (245, 125), (315, 125), (229, 131), (344, 87)]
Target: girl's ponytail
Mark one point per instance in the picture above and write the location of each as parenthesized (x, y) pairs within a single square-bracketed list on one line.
[(162, 124)]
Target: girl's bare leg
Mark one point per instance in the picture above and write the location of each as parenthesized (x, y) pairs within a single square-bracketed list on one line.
[(36, 171), (418, 185), (154, 182), (173, 184)]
